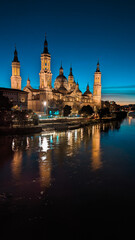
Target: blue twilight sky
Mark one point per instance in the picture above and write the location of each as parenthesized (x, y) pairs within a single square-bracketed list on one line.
[(78, 33)]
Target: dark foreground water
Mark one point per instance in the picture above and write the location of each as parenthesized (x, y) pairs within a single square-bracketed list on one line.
[(69, 184)]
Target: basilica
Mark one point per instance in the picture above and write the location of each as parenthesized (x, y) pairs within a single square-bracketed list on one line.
[(65, 92)]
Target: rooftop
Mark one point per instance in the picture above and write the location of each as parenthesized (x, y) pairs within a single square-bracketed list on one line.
[(11, 90)]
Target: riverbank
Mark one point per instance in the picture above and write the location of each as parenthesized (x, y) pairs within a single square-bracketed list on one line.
[(58, 124), (73, 124), (20, 130)]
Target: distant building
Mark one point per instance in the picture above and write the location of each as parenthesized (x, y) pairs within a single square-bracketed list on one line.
[(65, 90), (111, 105), (18, 97)]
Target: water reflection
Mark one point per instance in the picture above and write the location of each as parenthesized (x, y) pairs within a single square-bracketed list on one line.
[(38, 156), (66, 176), (45, 167), (16, 164), (129, 120), (96, 152), (44, 162)]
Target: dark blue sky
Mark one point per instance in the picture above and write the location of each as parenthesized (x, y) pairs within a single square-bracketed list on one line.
[(78, 33)]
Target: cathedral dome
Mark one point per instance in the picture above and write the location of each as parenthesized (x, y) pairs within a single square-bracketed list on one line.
[(61, 80)]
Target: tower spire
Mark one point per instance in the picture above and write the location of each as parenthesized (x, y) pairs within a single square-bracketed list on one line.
[(98, 70), (71, 82), (45, 72), (45, 45), (16, 78), (15, 55), (28, 81), (61, 69), (97, 87), (88, 86), (70, 74)]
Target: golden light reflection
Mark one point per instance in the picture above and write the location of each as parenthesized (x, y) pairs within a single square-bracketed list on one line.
[(27, 143), (129, 120), (76, 131), (70, 138), (14, 147), (73, 141), (44, 162), (96, 152), (16, 164), (81, 134), (45, 171)]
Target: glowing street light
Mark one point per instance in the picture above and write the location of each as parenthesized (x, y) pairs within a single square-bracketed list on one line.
[(44, 103)]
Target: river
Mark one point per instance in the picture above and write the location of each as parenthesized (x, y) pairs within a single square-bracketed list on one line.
[(75, 182)]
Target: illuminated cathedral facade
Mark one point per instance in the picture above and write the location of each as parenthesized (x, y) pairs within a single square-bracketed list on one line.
[(65, 92)]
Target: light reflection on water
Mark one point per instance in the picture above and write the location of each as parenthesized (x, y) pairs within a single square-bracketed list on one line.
[(37, 158), (96, 151), (67, 178)]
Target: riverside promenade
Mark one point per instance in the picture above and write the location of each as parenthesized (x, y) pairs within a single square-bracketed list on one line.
[(58, 124), (70, 123), (63, 123)]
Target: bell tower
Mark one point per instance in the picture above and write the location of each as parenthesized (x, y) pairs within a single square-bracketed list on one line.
[(71, 82), (45, 72), (97, 87), (16, 78)]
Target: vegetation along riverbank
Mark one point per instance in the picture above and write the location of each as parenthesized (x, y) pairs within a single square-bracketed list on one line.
[(60, 124)]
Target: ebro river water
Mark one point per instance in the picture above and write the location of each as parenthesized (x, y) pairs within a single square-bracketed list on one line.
[(69, 183)]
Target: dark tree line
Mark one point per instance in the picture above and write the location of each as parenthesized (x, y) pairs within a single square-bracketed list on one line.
[(9, 117), (86, 110), (5, 104)]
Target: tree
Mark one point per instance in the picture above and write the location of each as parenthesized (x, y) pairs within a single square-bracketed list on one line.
[(5, 103), (35, 119), (25, 117), (103, 112), (86, 110), (52, 103), (20, 117), (60, 105), (67, 110), (5, 113)]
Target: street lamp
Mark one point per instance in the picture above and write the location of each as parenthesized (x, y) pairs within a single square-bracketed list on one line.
[(44, 106)]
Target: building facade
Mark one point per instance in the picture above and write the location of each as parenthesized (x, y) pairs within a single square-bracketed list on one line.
[(17, 97), (65, 92)]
